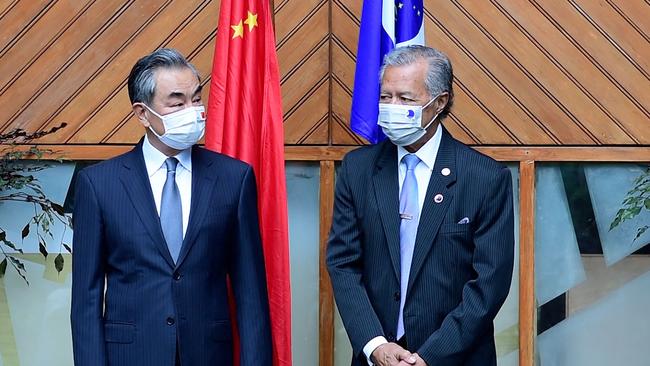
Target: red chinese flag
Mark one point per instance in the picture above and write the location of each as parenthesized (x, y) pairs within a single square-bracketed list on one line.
[(245, 121)]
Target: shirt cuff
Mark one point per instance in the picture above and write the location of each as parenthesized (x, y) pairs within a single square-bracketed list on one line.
[(371, 346)]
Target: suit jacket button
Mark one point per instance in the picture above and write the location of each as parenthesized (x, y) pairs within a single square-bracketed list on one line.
[(391, 337), (396, 296), (170, 321), (177, 276)]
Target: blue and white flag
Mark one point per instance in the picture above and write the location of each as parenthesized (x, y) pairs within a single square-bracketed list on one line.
[(385, 24)]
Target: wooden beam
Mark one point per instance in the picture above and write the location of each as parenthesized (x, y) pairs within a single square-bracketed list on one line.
[(620, 154), (326, 295), (527, 307), (317, 153), (76, 152), (581, 154)]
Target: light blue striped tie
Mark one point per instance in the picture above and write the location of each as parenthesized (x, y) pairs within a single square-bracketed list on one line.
[(409, 210), (171, 211)]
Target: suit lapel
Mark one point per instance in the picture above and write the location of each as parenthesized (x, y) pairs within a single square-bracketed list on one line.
[(202, 185), (138, 187), (433, 211), (386, 191)]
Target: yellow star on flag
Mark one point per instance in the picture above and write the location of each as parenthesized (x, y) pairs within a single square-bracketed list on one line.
[(251, 20), (239, 30)]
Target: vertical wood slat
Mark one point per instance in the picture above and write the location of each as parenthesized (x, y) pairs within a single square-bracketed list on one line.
[(326, 296), (527, 308)]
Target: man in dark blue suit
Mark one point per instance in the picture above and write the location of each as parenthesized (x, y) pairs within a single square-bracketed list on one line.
[(421, 247), (157, 231)]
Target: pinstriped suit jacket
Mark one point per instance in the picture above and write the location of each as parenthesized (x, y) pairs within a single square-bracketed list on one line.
[(460, 274), (151, 305)]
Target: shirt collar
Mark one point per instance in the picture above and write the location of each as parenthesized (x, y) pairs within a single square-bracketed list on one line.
[(154, 159), (428, 152)]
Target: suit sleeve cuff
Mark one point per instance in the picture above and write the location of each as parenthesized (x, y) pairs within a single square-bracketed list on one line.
[(371, 346)]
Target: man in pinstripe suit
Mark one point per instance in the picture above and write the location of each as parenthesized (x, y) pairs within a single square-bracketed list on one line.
[(156, 232), (420, 251)]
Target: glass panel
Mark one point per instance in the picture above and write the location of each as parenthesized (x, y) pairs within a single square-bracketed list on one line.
[(601, 320), (34, 319), (506, 324), (557, 260), (619, 242), (303, 182)]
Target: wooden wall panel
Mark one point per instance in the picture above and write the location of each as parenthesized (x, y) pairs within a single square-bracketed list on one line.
[(568, 102), (194, 37), (81, 78), (617, 104), (586, 79), (345, 30), (535, 72), (303, 53), (17, 18), (22, 89), (105, 97), (540, 72), (37, 37), (635, 13)]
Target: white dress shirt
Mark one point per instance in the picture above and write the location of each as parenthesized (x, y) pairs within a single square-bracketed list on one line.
[(427, 154), (154, 160)]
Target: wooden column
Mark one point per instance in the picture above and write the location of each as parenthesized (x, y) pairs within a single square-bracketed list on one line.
[(326, 308), (527, 308)]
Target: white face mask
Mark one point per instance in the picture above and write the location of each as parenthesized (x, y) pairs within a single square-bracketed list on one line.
[(403, 123), (183, 128)]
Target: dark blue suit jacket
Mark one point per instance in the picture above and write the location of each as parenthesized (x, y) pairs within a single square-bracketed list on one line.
[(460, 273), (151, 306)]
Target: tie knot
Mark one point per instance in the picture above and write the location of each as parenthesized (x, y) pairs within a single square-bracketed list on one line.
[(411, 161), (171, 164)]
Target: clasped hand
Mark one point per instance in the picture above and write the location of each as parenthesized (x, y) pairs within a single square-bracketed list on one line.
[(392, 354)]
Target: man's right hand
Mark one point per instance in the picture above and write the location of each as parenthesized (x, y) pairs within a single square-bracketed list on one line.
[(390, 354)]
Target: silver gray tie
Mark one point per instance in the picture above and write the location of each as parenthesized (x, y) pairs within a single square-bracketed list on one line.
[(171, 211), (409, 210)]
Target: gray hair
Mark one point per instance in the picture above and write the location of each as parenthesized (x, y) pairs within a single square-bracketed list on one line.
[(142, 81), (439, 74)]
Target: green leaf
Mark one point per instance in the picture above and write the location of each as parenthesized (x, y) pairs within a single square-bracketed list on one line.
[(58, 263), (641, 231), (25, 231), (42, 248), (58, 208), (17, 262), (3, 267), (646, 203), (615, 223), (12, 245), (45, 223), (67, 247)]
